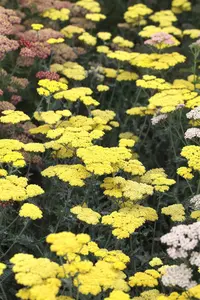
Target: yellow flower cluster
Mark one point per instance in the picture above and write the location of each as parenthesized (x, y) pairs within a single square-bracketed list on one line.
[(9, 152), (128, 220), (175, 211), (156, 261), (140, 111), (37, 274), (192, 33), (95, 17), (192, 154), (185, 172), (55, 41), (149, 30), (14, 188), (156, 61), (90, 5), (123, 43), (66, 243), (118, 295), (101, 160), (102, 88), (73, 94), (55, 14), (71, 30), (179, 6), (48, 87), (126, 76), (51, 117), (118, 187), (86, 214), (165, 18), (158, 179), (195, 215), (168, 100), (73, 174), (71, 70), (153, 82), (88, 39), (36, 26), (149, 278), (136, 13), (13, 117), (105, 36), (31, 211), (2, 268)]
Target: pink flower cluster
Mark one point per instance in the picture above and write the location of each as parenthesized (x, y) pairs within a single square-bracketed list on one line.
[(43, 36), (36, 49), (15, 99), (160, 38), (7, 45), (47, 75), (44, 5), (8, 20)]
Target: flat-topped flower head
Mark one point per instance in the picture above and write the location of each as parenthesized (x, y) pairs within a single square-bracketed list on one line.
[(36, 26)]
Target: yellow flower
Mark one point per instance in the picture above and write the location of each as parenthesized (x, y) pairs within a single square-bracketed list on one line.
[(165, 18), (73, 94), (55, 14), (178, 6), (55, 41), (71, 30), (37, 27), (156, 261), (2, 268), (95, 17), (73, 174), (34, 147), (15, 188), (14, 117), (135, 13), (103, 49), (175, 211), (185, 172), (196, 215), (117, 295), (143, 279), (88, 39), (31, 211), (126, 76), (91, 5), (66, 243), (101, 160), (86, 214), (121, 42), (127, 220), (104, 35), (3, 173), (102, 88), (192, 154)]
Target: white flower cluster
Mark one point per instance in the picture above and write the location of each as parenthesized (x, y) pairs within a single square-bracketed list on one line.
[(192, 133), (156, 119), (180, 276), (194, 114), (195, 202), (182, 239)]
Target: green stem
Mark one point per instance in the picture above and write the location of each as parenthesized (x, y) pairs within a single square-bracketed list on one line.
[(15, 240), (3, 292)]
